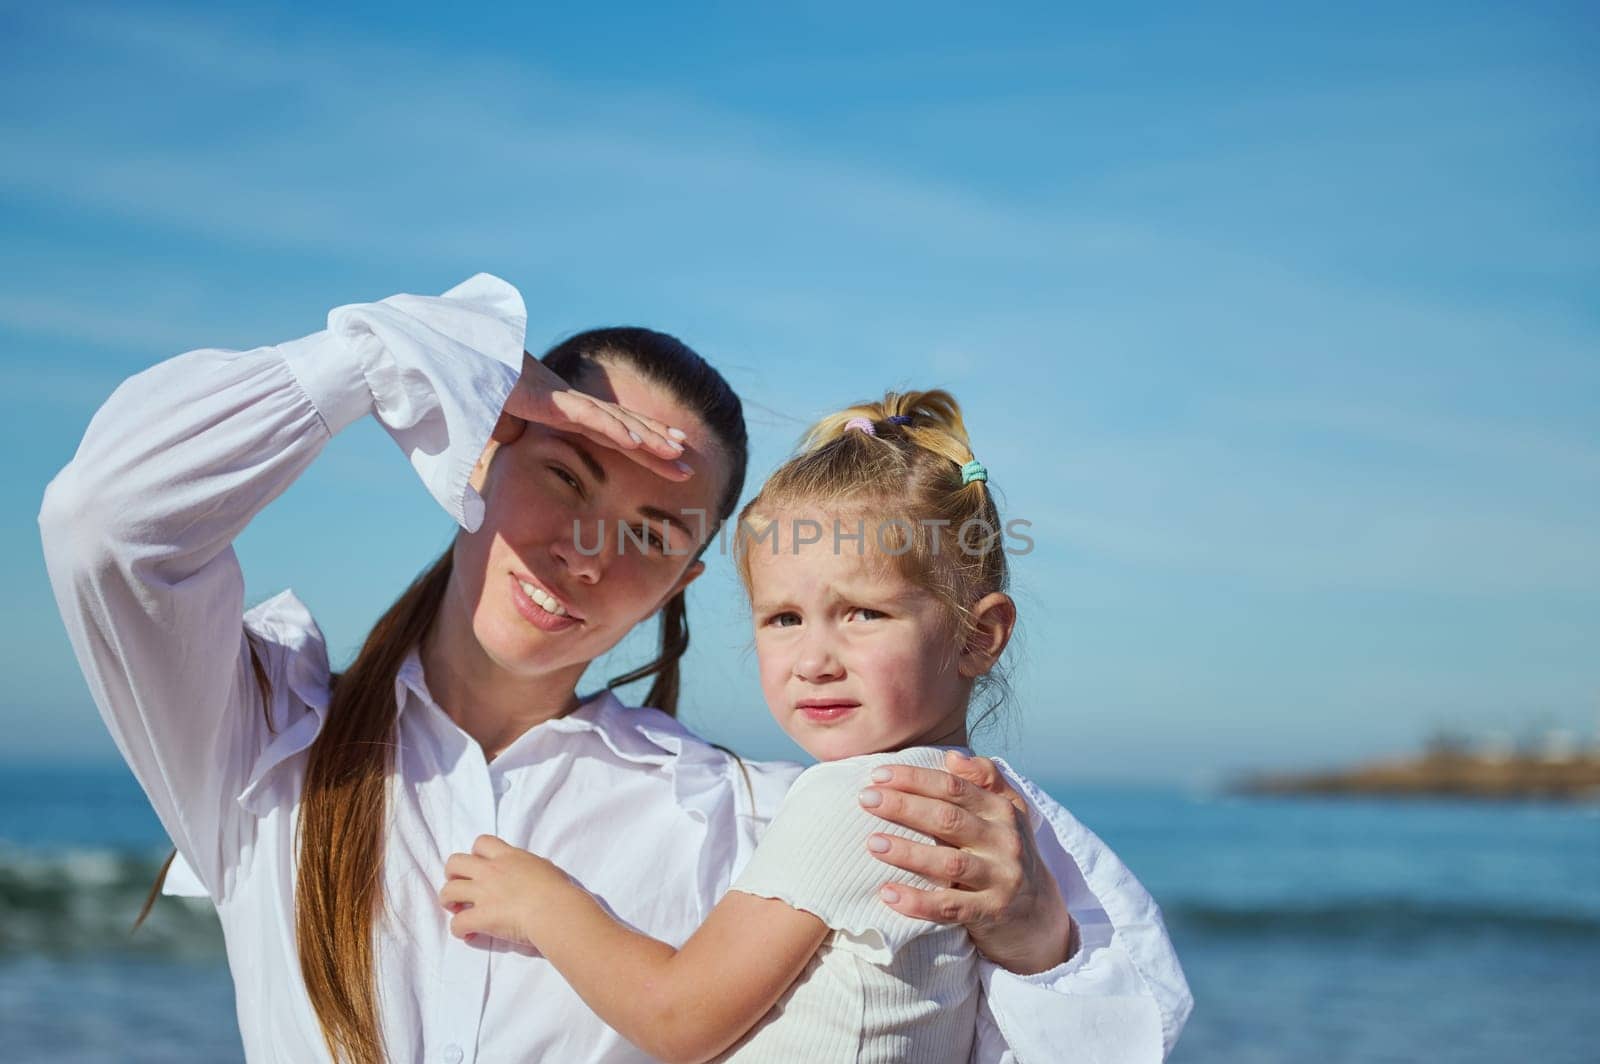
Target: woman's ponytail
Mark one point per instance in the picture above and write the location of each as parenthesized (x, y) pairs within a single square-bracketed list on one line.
[(674, 643), (341, 831)]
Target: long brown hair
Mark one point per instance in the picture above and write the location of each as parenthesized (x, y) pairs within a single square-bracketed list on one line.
[(340, 834)]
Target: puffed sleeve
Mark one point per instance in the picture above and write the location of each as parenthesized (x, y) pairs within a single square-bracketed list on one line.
[(1122, 996), (138, 528), (814, 857)]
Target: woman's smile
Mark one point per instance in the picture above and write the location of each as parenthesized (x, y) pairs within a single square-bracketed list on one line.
[(541, 609)]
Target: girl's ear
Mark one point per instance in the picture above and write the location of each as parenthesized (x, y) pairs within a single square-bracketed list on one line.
[(994, 618)]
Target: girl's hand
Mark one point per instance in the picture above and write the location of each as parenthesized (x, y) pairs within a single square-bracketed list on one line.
[(495, 890), (992, 879), (541, 395)]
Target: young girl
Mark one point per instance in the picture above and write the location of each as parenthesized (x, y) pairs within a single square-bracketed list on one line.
[(877, 583)]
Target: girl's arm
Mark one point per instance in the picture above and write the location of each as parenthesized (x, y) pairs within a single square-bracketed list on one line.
[(138, 528), (686, 1004)]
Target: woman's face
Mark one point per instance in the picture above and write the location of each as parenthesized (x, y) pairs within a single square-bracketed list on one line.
[(574, 525)]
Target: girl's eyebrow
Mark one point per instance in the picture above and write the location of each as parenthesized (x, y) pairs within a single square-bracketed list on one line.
[(871, 589), (836, 595)]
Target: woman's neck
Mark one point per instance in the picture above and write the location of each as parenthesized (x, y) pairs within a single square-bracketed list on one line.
[(493, 706)]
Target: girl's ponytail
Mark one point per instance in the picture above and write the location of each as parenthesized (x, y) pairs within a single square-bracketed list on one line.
[(930, 420)]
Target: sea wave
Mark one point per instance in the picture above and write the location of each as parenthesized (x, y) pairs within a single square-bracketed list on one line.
[(84, 900), (1400, 918)]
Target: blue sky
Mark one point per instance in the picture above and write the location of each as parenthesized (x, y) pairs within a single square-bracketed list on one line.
[(1280, 328)]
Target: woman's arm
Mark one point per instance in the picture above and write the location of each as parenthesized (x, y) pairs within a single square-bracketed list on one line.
[(1118, 993), (686, 1004), (138, 528)]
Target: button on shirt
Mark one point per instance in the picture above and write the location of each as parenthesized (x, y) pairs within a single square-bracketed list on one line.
[(138, 532)]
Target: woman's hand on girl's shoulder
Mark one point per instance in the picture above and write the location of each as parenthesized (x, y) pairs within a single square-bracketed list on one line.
[(541, 395), (990, 876)]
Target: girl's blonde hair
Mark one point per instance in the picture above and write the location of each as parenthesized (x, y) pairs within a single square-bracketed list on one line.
[(906, 487)]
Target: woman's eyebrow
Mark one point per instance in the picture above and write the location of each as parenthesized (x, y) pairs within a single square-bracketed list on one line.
[(599, 474), (595, 469), (666, 517)]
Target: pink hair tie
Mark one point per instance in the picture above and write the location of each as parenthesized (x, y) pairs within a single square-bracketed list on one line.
[(860, 423)]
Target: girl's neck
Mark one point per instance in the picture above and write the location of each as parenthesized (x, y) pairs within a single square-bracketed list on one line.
[(950, 729), (493, 706), (956, 736), (953, 735)]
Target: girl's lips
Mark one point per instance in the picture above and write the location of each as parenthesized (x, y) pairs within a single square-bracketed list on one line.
[(536, 614), (827, 713)]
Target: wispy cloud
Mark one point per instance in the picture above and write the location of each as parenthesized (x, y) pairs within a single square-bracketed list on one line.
[(450, 154), (1332, 337), (1506, 446)]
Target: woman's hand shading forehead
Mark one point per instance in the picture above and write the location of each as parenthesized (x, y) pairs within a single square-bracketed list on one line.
[(544, 397)]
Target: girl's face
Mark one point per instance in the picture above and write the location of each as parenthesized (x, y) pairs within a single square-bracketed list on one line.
[(855, 659), (557, 512)]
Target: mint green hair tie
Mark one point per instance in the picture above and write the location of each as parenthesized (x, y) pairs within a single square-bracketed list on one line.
[(973, 470)]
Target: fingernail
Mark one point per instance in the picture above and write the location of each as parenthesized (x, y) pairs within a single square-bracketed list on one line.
[(677, 434), (634, 436), (878, 844), (686, 469), (888, 894), (881, 775), (871, 798), (675, 445)]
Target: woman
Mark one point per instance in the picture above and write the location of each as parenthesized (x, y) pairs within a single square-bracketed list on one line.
[(317, 812)]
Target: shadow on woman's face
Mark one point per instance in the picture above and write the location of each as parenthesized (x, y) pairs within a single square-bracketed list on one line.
[(577, 526)]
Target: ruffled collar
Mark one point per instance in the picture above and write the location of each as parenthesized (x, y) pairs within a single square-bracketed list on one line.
[(700, 774), (296, 658), (640, 735)]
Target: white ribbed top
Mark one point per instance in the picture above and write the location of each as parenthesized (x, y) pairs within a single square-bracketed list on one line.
[(883, 988)]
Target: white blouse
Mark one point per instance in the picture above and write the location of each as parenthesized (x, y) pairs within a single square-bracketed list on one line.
[(137, 533), (883, 987)]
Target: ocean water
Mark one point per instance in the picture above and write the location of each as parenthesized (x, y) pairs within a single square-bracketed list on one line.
[(1311, 930)]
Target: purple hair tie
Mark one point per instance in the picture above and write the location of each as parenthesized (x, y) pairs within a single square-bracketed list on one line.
[(899, 419), (860, 423)]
